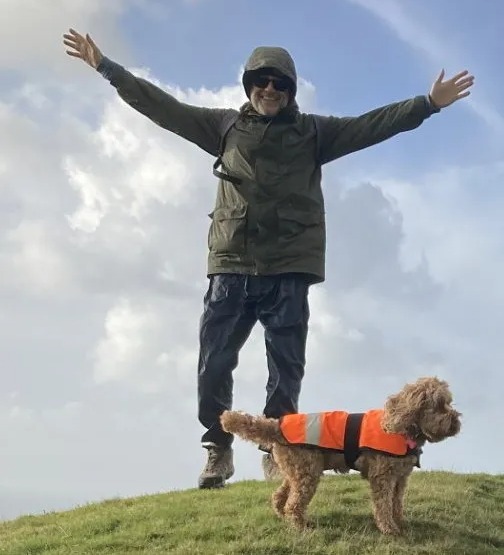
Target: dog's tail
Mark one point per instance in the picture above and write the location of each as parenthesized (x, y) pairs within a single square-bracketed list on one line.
[(258, 429)]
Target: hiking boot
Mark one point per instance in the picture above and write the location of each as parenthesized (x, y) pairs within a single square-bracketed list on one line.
[(219, 467), (270, 468)]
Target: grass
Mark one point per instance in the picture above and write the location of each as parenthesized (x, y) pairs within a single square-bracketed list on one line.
[(446, 514)]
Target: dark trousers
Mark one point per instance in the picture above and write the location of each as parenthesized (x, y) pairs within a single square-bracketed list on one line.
[(232, 306)]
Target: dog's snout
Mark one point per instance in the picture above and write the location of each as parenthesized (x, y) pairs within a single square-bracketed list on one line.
[(455, 424)]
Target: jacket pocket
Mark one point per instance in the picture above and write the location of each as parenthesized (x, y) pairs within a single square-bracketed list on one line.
[(227, 232), (292, 221)]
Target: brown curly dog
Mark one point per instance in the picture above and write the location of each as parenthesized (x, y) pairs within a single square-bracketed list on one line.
[(421, 412)]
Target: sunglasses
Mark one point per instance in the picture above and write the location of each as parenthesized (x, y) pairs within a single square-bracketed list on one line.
[(279, 84)]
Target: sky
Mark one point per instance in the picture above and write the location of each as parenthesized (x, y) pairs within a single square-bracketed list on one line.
[(103, 223)]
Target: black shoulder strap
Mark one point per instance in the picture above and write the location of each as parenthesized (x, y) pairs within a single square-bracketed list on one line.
[(317, 120), (228, 122), (352, 434)]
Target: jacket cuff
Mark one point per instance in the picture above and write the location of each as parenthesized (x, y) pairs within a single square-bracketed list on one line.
[(431, 107), (107, 68)]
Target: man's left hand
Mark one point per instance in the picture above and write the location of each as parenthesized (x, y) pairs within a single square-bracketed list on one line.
[(444, 93)]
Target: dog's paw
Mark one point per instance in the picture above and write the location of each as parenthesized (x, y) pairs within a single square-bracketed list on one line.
[(390, 530), (300, 524)]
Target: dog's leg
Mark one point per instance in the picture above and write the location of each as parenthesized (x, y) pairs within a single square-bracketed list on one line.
[(383, 489), (397, 509), (302, 490), (280, 497)]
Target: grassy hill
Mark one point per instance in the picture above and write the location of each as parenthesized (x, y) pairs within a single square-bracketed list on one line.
[(446, 514)]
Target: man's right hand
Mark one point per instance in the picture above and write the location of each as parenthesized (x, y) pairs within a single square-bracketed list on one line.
[(83, 48)]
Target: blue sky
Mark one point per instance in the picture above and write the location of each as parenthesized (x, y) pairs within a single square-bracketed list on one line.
[(103, 234)]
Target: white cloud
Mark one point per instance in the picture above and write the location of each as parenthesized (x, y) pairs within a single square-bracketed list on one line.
[(127, 331), (33, 261), (448, 223), (34, 95), (144, 349), (42, 27), (94, 205)]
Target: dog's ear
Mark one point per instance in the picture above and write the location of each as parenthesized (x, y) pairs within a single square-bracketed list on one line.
[(400, 416), (402, 410), (441, 395)]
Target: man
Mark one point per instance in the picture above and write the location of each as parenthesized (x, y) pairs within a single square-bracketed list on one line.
[(267, 235)]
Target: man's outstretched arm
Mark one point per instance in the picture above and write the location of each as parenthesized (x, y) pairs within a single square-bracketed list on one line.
[(341, 136), (199, 125)]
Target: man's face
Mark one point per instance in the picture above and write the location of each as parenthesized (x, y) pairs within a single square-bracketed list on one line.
[(269, 94)]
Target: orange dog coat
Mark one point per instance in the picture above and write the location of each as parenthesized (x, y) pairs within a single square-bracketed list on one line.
[(332, 430)]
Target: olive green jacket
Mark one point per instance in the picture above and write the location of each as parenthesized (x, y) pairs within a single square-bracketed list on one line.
[(273, 220)]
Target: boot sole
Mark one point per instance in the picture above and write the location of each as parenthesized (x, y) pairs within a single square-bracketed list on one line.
[(212, 483)]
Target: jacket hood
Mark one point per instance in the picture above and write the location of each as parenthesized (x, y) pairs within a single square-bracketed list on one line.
[(274, 58)]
